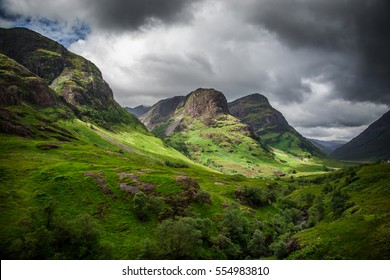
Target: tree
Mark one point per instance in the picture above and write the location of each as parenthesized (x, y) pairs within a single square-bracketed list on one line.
[(256, 246), (179, 239), (140, 209), (236, 224), (338, 202)]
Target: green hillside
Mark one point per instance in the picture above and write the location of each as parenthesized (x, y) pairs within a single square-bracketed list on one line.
[(79, 185), (271, 126)]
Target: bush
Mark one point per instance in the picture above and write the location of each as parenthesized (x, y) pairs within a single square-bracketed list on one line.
[(338, 203), (279, 248), (175, 164), (146, 206)]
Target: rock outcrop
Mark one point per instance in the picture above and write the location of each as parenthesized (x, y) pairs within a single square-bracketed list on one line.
[(205, 103)]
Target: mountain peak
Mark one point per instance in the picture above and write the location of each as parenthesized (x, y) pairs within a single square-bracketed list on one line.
[(206, 102), (256, 97)]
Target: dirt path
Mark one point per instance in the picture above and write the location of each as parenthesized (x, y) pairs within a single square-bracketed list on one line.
[(117, 143)]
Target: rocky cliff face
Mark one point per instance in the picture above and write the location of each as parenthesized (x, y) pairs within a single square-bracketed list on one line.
[(205, 103)]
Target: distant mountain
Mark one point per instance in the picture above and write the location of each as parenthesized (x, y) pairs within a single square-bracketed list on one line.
[(271, 126), (139, 110), (371, 144), (162, 113), (327, 146), (75, 80)]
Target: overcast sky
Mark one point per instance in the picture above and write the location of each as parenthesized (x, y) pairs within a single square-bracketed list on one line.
[(325, 64)]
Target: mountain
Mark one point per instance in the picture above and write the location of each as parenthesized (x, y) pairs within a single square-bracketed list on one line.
[(138, 111), (161, 113), (203, 126), (371, 144), (200, 126), (271, 126), (77, 81), (327, 147), (76, 186)]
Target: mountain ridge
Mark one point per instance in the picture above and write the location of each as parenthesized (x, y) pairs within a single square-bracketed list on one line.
[(371, 144)]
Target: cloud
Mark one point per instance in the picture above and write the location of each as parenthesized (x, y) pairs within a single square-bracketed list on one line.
[(112, 15), (349, 26), (123, 15), (322, 108), (324, 64)]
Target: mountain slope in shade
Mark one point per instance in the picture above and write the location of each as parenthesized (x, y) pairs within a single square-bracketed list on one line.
[(371, 144), (160, 114), (138, 111), (271, 125), (327, 147), (77, 81)]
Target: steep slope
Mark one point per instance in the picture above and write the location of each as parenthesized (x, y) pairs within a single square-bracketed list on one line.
[(327, 147), (18, 84), (138, 111), (76, 80), (271, 126), (371, 144)]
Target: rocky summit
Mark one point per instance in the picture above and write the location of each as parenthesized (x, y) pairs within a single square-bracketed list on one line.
[(205, 103)]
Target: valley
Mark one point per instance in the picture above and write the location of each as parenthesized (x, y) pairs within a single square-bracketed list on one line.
[(198, 178)]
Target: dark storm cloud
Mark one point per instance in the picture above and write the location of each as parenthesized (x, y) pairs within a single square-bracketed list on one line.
[(122, 14), (350, 26)]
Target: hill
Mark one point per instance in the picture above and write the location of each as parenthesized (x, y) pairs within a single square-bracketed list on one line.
[(271, 126), (371, 144)]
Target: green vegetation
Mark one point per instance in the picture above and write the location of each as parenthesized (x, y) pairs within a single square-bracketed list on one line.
[(82, 179), (90, 197)]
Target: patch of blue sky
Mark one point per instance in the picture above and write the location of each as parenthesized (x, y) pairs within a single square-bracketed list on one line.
[(61, 31)]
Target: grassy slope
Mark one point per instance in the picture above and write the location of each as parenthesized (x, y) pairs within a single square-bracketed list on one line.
[(32, 177), (224, 148)]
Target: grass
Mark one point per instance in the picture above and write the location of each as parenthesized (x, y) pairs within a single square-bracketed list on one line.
[(31, 178)]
